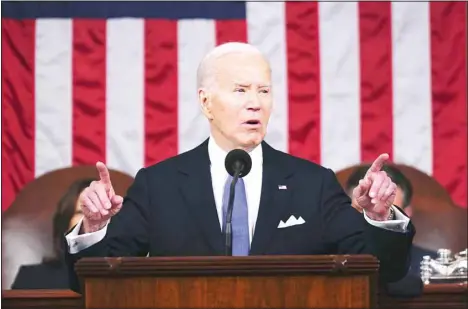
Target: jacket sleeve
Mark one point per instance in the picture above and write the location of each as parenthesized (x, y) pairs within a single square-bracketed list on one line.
[(126, 234), (347, 232)]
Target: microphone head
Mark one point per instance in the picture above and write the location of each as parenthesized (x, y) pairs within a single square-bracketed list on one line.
[(239, 160)]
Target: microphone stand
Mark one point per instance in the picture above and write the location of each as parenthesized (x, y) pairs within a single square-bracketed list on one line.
[(228, 230)]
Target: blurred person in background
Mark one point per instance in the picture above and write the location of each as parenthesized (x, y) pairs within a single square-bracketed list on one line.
[(52, 272)]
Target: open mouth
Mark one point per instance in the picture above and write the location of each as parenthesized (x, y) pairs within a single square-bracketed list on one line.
[(252, 123)]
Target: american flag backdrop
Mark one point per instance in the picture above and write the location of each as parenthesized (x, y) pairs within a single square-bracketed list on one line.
[(116, 81)]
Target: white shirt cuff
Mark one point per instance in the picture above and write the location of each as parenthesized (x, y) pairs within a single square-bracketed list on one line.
[(77, 242), (399, 224)]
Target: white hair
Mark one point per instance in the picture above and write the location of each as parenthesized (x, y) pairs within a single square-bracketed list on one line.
[(206, 67)]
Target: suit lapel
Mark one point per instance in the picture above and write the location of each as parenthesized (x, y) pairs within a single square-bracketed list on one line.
[(197, 189), (273, 201)]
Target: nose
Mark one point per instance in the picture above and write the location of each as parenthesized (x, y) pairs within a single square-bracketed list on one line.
[(253, 103)]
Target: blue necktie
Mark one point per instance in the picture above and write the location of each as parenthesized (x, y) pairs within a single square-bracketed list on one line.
[(240, 217)]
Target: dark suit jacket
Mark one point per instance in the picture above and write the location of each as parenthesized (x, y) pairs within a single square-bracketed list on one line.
[(170, 211), (417, 254), (411, 285), (50, 275)]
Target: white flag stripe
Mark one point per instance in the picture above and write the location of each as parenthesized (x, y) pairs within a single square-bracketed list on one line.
[(195, 39), (266, 30), (53, 95), (412, 105), (340, 85), (125, 108)]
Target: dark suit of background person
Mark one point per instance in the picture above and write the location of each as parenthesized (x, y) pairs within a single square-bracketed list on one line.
[(52, 273), (170, 210)]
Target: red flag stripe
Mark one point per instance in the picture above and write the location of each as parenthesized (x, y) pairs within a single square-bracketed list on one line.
[(448, 59), (230, 31), (89, 91), (18, 121), (161, 90), (302, 35), (376, 79)]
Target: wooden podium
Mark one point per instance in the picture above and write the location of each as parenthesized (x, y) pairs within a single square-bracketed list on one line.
[(326, 281)]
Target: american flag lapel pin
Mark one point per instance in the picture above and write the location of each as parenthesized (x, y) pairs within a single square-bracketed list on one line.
[(282, 187)]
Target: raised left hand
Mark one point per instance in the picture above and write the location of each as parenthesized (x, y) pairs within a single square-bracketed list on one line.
[(376, 191)]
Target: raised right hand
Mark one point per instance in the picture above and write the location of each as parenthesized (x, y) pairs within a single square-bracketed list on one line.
[(99, 201)]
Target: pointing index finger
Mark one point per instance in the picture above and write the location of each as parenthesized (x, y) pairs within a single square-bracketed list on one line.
[(378, 163), (104, 175)]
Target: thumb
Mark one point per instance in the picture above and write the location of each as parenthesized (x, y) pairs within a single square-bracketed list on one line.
[(116, 200), (362, 188)]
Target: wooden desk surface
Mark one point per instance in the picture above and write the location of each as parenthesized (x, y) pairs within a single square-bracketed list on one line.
[(436, 296), (443, 295), (41, 299)]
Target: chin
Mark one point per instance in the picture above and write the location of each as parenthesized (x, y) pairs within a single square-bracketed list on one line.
[(251, 141)]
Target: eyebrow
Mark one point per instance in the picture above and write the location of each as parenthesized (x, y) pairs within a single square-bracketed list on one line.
[(248, 84)]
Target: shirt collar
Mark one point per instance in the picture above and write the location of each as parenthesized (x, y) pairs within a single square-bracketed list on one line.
[(218, 155)]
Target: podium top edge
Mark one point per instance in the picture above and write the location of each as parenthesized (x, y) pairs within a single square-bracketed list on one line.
[(227, 264), (234, 259)]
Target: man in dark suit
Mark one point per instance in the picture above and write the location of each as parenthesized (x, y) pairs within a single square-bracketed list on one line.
[(285, 205)]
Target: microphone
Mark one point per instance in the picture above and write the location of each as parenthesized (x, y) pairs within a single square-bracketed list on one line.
[(238, 164)]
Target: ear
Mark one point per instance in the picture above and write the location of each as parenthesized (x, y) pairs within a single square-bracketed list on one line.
[(204, 98)]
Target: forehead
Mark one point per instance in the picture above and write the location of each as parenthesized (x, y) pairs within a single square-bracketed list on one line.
[(243, 68)]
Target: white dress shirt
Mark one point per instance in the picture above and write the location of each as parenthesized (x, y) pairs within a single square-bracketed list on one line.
[(253, 188)]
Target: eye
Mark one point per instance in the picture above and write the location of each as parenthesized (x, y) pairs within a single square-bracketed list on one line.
[(239, 90), (265, 91)]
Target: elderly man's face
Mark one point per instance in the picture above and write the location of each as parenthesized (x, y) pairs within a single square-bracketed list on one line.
[(240, 101)]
